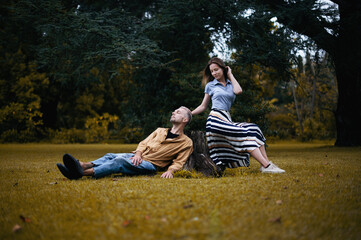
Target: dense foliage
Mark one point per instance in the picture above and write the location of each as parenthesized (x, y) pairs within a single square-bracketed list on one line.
[(89, 71)]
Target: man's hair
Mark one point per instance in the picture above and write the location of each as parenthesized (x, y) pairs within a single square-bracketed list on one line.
[(189, 114)]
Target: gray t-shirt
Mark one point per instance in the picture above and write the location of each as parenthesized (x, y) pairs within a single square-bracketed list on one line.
[(222, 96)]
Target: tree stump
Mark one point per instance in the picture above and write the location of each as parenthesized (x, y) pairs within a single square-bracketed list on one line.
[(199, 160)]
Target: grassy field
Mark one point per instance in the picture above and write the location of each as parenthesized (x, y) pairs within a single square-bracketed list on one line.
[(319, 197)]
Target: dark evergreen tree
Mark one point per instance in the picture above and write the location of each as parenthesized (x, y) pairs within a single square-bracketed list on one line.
[(70, 38)]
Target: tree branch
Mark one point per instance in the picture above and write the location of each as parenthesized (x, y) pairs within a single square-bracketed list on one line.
[(303, 22), (339, 2)]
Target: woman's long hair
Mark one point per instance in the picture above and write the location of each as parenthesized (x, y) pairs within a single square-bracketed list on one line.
[(207, 76)]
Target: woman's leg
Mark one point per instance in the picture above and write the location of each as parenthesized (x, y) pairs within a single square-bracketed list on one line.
[(257, 154), (267, 166), (263, 152)]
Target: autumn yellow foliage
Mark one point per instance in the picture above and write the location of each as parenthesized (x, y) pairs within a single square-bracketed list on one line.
[(319, 197)]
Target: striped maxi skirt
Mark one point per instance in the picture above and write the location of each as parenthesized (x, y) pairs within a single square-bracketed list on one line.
[(230, 142)]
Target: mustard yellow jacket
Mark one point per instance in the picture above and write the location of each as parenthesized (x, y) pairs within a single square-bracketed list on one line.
[(162, 152)]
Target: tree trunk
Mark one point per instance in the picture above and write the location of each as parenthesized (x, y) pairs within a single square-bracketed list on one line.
[(348, 113), (312, 79), (49, 108), (347, 59), (199, 160), (299, 117)]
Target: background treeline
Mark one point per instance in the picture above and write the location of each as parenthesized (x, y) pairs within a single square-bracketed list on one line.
[(96, 71)]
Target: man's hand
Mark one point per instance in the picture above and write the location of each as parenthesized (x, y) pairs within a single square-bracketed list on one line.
[(137, 159), (167, 174)]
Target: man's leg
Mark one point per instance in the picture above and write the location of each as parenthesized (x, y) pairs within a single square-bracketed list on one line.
[(89, 171), (74, 169), (121, 163), (144, 167), (102, 160), (88, 167)]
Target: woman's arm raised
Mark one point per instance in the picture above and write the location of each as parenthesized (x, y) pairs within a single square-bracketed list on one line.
[(237, 89), (201, 108)]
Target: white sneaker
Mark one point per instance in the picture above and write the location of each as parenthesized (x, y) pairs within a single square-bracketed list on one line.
[(272, 168)]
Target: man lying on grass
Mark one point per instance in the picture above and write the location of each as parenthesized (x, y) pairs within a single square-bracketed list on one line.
[(164, 147)]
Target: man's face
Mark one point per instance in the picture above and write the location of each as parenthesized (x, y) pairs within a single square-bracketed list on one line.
[(178, 115)]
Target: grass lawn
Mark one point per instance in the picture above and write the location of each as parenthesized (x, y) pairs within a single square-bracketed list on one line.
[(319, 197)]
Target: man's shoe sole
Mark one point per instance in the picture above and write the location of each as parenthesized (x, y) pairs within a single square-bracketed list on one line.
[(73, 165), (65, 171)]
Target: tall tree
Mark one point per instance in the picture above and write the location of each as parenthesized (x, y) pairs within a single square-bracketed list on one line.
[(333, 25), (158, 90), (340, 37), (69, 38)]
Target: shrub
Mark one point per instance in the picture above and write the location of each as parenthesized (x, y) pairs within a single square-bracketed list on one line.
[(129, 135), (63, 135), (104, 128), (313, 129), (281, 126)]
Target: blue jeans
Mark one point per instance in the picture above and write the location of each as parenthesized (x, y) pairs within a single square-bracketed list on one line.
[(120, 163)]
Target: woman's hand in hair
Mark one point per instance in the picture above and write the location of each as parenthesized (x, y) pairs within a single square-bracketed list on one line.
[(229, 72)]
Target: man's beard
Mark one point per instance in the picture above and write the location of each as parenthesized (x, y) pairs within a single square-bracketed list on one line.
[(173, 120)]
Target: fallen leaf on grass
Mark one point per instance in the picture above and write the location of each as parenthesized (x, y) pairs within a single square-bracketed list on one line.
[(321, 174), (16, 228), (147, 217), (275, 220), (25, 219), (126, 223), (188, 206)]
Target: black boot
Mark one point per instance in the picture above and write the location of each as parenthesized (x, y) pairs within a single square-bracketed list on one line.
[(73, 165)]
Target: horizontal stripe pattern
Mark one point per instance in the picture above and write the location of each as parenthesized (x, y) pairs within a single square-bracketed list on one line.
[(230, 142)]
